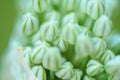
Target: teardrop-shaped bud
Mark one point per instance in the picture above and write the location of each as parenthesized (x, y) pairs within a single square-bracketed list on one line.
[(88, 78), (69, 18), (39, 51), (84, 46), (94, 68), (70, 33), (27, 55), (41, 5), (48, 31), (83, 5), (77, 74), (102, 26), (52, 60), (95, 8), (107, 56), (61, 44), (113, 66), (30, 24), (65, 71), (39, 72), (99, 47)]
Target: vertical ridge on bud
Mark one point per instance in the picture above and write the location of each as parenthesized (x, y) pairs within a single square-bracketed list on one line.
[(52, 60), (107, 56), (65, 71), (94, 68), (99, 47), (48, 30), (39, 72), (70, 33), (102, 26), (30, 24), (39, 51), (95, 8), (41, 5)]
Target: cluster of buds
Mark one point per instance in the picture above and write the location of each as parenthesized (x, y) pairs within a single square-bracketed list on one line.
[(66, 40)]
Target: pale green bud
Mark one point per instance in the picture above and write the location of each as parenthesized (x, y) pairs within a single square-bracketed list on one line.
[(107, 56), (83, 5), (113, 66), (95, 8), (61, 44), (84, 46), (69, 18), (30, 24), (102, 26), (27, 55), (70, 33), (39, 51), (41, 5), (77, 74), (48, 30), (39, 72), (52, 60), (94, 68), (68, 5), (85, 31), (65, 71), (88, 78), (99, 47), (52, 15)]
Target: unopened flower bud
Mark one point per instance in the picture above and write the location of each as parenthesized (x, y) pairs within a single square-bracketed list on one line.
[(77, 74), (39, 72), (94, 68), (41, 5), (69, 18), (52, 60), (48, 30), (113, 66), (95, 8), (61, 44), (65, 71), (30, 24), (102, 26), (107, 56), (99, 47), (70, 33), (39, 51)]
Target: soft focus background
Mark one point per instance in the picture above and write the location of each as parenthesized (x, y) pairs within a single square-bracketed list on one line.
[(8, 17)]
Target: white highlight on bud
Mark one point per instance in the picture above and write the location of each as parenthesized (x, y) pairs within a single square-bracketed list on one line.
[(48, 31), (94, 68), (113, 66), (77, 74), (102, 26), (99, 47), (95, 8), (39, 72), (65, 71), (107, 56), (41, 5), (52, 60), (39, 51), (30, 24), (70, 33)]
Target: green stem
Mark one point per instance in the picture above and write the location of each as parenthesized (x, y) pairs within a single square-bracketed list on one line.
[(51, 75)]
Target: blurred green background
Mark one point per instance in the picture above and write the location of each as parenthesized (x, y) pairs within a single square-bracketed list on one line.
[(8, 15)]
